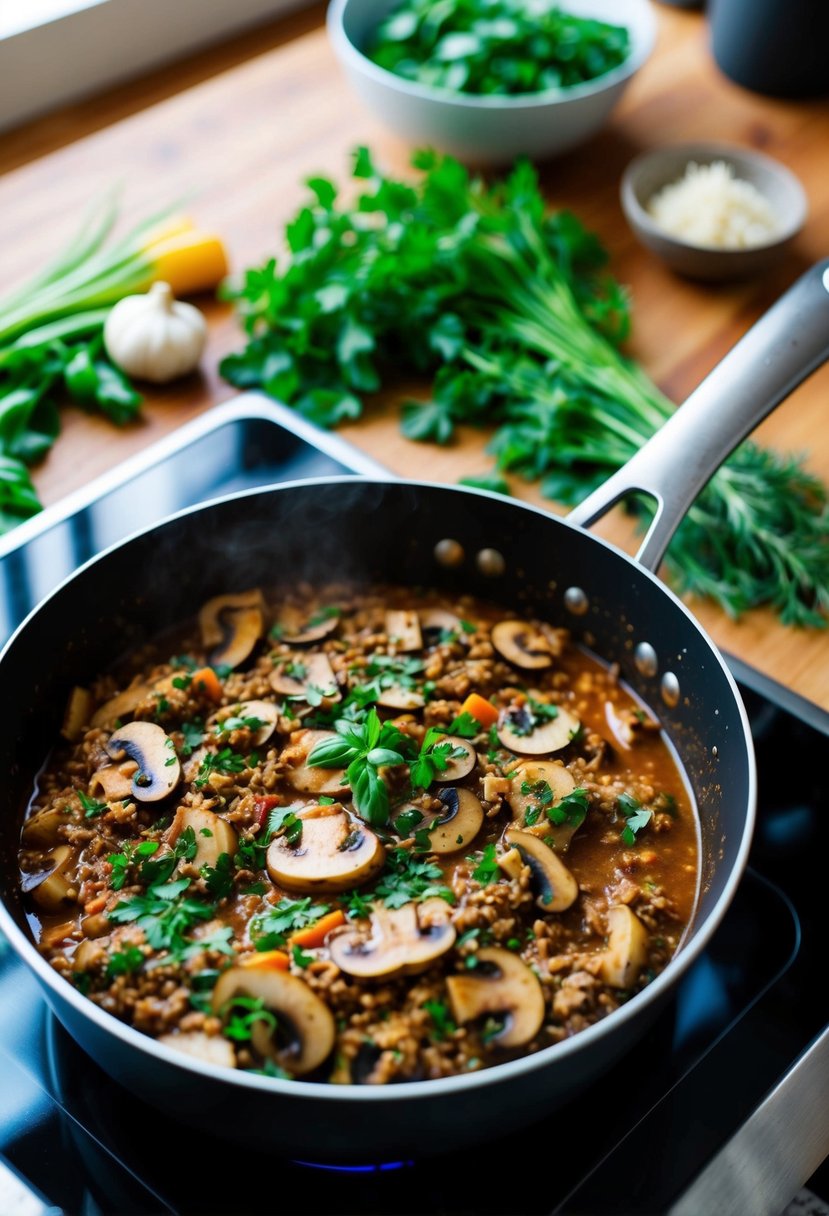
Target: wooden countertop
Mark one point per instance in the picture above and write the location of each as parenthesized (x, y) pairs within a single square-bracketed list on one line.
[(237, 129)]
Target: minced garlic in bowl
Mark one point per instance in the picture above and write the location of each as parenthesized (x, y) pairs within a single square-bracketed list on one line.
[(710, 206)]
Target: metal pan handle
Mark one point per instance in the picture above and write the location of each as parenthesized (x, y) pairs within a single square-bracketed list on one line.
[(785, 346)]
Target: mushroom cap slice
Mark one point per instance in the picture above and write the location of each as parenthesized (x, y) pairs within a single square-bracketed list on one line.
[(119, 706), (457, 767), (264, 711), (316, 670), (319, 625), (298, 1010), (551, 735), (305, 779), (437, 621), (627, 948), (561, 783), (76, 714), (522, 644), (398, 697), (403, 629), (334, 853), (41, 829), (459, 823), (214, 835), (153, 751), (232, 625), (398, 943), (210, 1048), (555, 886), (513, 990)]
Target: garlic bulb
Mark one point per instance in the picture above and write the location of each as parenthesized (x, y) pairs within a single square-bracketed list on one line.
[(153, 337)]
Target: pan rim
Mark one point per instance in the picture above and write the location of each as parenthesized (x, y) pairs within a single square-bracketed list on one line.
[(435, 1087)]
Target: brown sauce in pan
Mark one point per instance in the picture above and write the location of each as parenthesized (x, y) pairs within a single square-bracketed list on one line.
[(467, 891)]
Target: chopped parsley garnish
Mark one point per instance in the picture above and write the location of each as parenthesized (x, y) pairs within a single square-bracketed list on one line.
[(407, 877), (322, 615), (185, 662), (285, 821), (442, 1022), (269, 930), (433, 758), (219, 878), (91, 807), (637, 817), (300, 957), (160, 869), (232, 723), (122, 861), (294, 669), (239, 1025), (357, 905), (193, 735), (124, 962), (487, 869), (165, 915), (572, 809), (465, 726), (225, 761)]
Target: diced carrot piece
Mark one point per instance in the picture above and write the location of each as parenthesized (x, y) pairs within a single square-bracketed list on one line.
[(316, 934), (205, 680), (480, 709), (266, 960), (94, 906)]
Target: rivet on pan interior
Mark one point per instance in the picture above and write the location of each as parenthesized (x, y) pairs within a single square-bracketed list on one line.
[(491, 563), (715, 751), (575, 601), (449, 553), (644, 656), (670, 689)]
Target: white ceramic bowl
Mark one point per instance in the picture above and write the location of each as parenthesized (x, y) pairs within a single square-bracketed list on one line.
[(488, 130)]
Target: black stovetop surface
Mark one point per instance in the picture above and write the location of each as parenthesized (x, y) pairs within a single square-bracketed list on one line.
[(630, 1143)]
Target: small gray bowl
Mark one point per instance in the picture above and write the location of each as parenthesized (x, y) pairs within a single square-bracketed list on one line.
[(648, 173)]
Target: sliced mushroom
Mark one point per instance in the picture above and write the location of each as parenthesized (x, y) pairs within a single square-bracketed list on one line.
[(512, 863), (400, 942), (532, 773), (398, 697), (214, 835), (76, 714), (263, 711), (54, 889), (301, 776), (120, 706), (436, 623), (523, 645), (210, 1048), (459, 822), (40, 831), (319, 625), (153, 751), (627, 947), (113, 782), (334, 853), (232, 625), (403, 629), (517, 732), (304, 1032), (500, 985), (459, 766), (555, 887), (296, 673)]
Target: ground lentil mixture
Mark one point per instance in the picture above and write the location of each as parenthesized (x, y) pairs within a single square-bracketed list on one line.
[(359, 837)]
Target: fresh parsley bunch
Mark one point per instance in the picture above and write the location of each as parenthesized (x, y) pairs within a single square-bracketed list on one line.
[(507, 309)]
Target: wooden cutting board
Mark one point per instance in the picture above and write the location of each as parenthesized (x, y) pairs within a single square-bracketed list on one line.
[(237, 129)]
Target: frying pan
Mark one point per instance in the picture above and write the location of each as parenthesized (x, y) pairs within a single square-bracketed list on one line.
[(529, 561)]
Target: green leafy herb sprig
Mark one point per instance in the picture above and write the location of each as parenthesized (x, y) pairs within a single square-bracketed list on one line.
[(509, 311), (495, 46), (362, 749), (636, 816)]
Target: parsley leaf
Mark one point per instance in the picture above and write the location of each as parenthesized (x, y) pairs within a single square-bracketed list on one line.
[(442, 1022), (124, 962), (433, 758), (487, 870), (194, 736), (637, 817), (269, 930), (219, 878), (465, 726), (224, 761), (122, 861), (91, 808), (407, 877)]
